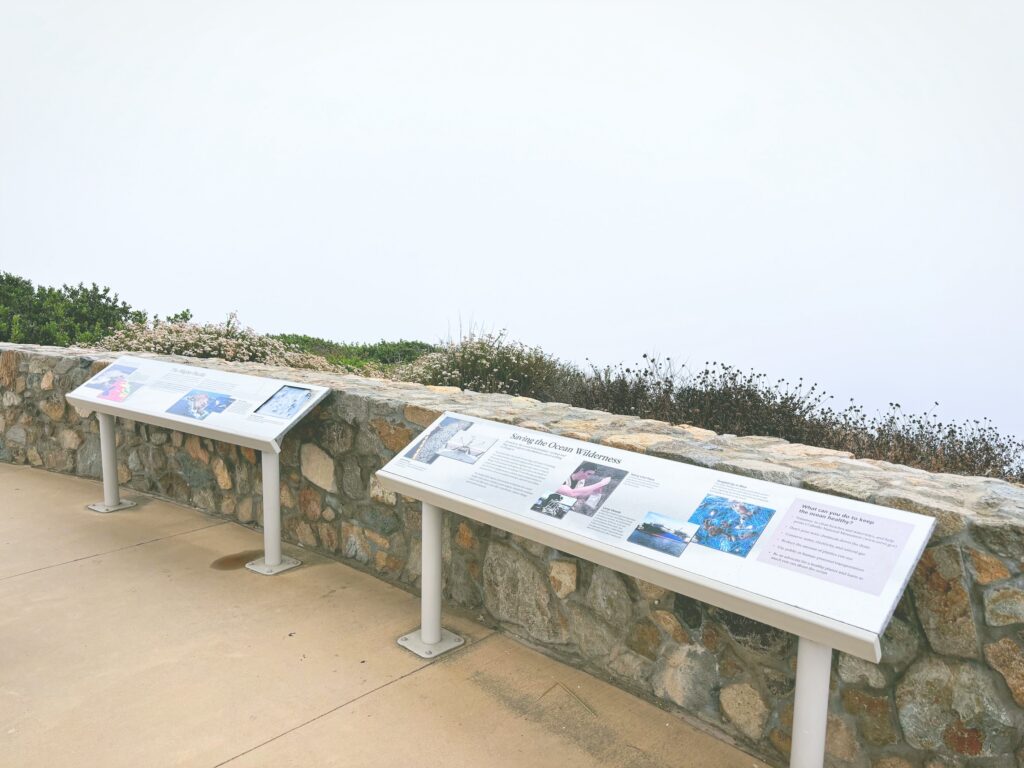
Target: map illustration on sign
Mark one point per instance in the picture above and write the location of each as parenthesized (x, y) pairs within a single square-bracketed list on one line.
[(729, 525), (199, 404), (285, 403)]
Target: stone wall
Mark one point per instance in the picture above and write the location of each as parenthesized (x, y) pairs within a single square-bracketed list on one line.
[(949, 690)]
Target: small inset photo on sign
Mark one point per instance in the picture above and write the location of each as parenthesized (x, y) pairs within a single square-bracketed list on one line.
[(467, 447), (103, 379), (198, 404), (589, 486), (285, 403), (662, 533), (113, 383), (553, 505), (729, 525), (436, 440)]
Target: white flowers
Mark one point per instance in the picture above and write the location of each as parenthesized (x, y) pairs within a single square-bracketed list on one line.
[(228, 341)]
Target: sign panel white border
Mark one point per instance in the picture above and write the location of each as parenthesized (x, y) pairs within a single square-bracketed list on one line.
[(830, 560), (251, 411)]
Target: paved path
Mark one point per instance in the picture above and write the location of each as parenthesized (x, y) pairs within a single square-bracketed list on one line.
[(137, 639)]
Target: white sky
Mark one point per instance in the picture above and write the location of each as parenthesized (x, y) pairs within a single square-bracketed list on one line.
[(819, 189)]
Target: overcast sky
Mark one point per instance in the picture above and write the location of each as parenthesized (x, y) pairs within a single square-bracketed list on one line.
[(818, 189)]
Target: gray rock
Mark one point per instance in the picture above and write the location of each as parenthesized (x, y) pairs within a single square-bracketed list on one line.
[(687, 676), (515, 591), (1005, 605), (88, 461), (688, 611), (755, 636), (607, 597), (318, 467), (859, 672), (631, 667), (1004, 536), (336, 437), (743, 707), (954, 708), (16, 436), (352, 480), (939, 586), (900, 644), (595, 638)]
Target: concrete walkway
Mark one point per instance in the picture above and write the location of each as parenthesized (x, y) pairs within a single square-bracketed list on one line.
[(138, 639)]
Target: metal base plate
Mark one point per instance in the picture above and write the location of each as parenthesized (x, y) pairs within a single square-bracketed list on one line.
[(260, 566), (449, 642), (101, 507)]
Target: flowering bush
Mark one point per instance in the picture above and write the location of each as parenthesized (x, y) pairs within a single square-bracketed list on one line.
[(490, 362), (228, 341)]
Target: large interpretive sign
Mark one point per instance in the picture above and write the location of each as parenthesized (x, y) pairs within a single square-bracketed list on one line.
[(247, 410), (838, 558)]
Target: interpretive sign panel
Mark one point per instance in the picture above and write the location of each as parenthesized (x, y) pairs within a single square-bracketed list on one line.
[(845, 560), (247, 410)]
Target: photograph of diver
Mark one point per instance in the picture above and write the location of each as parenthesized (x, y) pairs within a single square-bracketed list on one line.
[(584, 491)]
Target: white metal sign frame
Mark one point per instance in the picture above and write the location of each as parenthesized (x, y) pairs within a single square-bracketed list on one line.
[(249, 411), (818, 632)]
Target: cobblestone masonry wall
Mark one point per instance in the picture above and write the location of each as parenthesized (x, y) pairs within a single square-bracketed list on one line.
[(950, 688)]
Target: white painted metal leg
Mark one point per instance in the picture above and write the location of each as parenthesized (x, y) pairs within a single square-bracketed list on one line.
[(108, 459), (272, 561), (810, 709), (432, 639), (430, 578)]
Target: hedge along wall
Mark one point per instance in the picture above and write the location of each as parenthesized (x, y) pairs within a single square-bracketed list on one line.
[(949, 690)]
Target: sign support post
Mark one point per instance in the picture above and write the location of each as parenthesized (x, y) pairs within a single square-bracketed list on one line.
[(273, 561), (431, 640), (810, 708), (108, 456)]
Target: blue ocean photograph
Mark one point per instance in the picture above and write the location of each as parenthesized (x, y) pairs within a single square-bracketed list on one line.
[(661, 533), (198, 404), (729, 525)]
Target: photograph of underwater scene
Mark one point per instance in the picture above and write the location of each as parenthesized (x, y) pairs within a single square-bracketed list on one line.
[(661, 533), (198, 404), (729, 525), (435, 441)]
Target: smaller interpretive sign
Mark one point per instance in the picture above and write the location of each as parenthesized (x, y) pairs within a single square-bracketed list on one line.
[(248, 410)]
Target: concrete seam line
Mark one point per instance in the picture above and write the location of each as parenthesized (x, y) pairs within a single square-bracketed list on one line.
[(111, 551), (452, 656)]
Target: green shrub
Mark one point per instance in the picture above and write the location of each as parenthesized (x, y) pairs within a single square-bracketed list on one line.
[(228, 341), (382, 353), (72, 314)]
